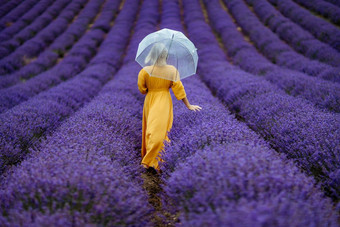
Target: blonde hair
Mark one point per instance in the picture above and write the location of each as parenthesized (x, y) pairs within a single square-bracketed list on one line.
[(157, 53)]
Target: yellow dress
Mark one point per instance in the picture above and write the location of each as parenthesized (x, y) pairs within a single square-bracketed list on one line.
[(157, 112)]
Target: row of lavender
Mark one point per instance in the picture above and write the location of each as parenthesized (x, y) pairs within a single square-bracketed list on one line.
[(15, 14), (334, 2), (320, 28), (8, 6), (21, 17), (291, 125), (58, 49), (116, 125), (23, 125), (19, 49), (70, 65), (217, 172), (15, 36), (324, 94), (323, 8), (300, 39), (96, 150), (275, 49)]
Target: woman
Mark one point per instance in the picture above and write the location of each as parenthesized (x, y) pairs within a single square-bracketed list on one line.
[(158, 109)]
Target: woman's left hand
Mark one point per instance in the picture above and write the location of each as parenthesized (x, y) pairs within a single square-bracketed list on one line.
[(194, 107)]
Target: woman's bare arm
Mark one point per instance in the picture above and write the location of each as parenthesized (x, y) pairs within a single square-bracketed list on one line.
[(189, 106)]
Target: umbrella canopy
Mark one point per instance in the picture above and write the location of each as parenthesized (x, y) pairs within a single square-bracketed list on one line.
[(171, 50)]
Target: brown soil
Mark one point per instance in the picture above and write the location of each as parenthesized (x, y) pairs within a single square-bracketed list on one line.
[(160, 217)]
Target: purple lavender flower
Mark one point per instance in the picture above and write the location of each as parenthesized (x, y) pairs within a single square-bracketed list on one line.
[(276, 50), (320, 28), (23, 125), (245, 185), (291, 125), (300, 39), (324, 94)]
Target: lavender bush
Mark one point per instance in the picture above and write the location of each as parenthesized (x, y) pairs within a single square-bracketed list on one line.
[(105, 129), (62, 45), (23, 125), (300, 39), (245, 185), (71, 136), (275, 49), (66, 187), (218, 172), (35, 45), (93, 148), (335, 2), (8, 6), (16, 14), (292, 126), (324, 8), (75, 61), (320, 28), (15, 38), (324, 94)]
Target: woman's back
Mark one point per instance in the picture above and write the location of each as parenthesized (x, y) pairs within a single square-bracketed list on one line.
[(168, 73), (158, 109)]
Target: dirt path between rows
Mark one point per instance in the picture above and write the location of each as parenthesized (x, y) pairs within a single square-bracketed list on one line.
[(153, 185)]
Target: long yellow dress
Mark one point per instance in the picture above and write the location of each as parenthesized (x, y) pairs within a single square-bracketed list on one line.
[(157, 112)]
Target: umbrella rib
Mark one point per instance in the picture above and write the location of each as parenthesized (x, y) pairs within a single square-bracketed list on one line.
[(193, 60), (172, 39)]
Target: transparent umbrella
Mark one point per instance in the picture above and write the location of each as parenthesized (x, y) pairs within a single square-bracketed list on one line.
[(167, 47)]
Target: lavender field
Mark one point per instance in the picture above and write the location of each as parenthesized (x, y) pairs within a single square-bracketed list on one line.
[(263, 151)]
